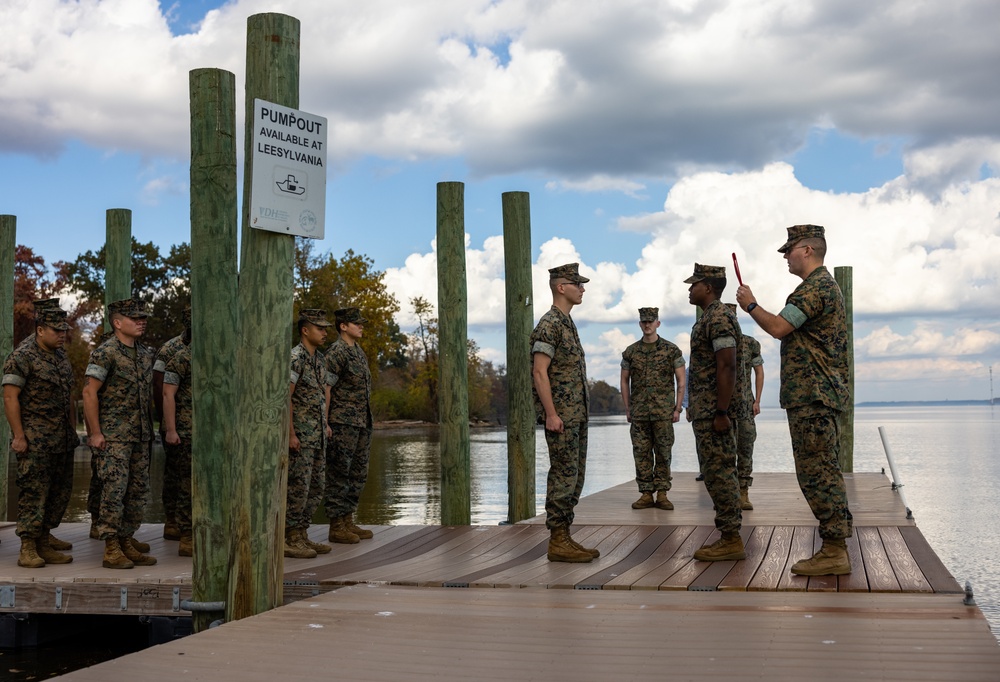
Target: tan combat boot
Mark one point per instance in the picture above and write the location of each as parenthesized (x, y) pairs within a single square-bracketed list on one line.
[(304, 541), (295, 550), (831, 559), (28, 558), (131, 551), (94, 535), (340, 533), (113, 556), (138, 545), (48, 554), (645, 501), (592, 551), (362, 533), (745, 503), (186, 546), (727, 548), (171, 531), (662, 502), (562, 548), (59, 545)]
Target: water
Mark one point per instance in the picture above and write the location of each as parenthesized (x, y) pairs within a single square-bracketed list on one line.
[(948, 459)]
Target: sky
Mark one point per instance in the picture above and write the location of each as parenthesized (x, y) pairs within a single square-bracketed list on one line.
[(650, 135)]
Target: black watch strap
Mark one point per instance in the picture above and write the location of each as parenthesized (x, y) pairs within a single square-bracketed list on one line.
[(751, 307)]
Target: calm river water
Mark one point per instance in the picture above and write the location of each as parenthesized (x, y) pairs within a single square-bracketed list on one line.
[(948, 459)]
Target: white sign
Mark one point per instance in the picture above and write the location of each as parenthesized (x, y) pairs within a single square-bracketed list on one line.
[(288, 188)]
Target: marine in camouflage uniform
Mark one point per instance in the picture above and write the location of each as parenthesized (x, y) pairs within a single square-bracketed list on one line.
[(173, 471), (350, 420), (177, 423), (559, 383), (37, 387), (118, 410), (307, 442), (814, 389), (715, 342), (749, 384), (649, 369)]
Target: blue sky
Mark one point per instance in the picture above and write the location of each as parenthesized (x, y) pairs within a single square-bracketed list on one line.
[(650, 134)]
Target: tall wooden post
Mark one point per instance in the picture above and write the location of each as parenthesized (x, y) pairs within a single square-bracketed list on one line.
[(845, 278), (117, 258), (265, 310), (8, 246), (453, 366), (520, 316), (214, 331)]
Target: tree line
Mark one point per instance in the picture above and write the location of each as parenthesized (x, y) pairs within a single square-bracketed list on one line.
[(403, 363)]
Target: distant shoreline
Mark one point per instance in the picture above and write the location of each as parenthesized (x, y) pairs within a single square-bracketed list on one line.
[(925, 403)]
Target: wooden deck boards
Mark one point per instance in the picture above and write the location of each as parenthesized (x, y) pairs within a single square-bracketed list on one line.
[(382, 633)]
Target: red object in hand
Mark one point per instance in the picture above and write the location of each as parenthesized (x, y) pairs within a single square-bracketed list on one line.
[(737, 266)]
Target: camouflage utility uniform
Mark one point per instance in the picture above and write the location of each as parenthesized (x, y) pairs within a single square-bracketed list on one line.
[(126, 420), (715, 330), (172, 470), (555, 335), (746, 428), (814, 391), (177, 372), (45, 471), (351, 422), (307, 467), (652, 368)]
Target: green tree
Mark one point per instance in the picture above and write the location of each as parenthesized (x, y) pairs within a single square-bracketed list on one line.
[(322, 281), (605, 399)]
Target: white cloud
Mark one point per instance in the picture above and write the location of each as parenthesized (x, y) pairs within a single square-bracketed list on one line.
[(599, 183)]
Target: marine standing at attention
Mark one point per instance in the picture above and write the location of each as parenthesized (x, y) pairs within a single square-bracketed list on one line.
[(177, 404), (814, 389), (171, 470), (309, 395), (650, 369), (715, 341), (749, 386), (559, 382), (350, 419), (118, 410), (37, 389)]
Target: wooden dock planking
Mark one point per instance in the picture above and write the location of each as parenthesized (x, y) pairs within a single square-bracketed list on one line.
[(396, 633)]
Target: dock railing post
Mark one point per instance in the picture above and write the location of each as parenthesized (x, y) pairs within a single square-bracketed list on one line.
[(117, 258), (214, 217), (8, 246), (265, 312), (520, 316), (845, 279), (453, 354)]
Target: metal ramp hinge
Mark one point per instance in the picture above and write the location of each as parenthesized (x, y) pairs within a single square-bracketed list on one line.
[(177, 599), (7, 593), (58, 599), (124, 602)]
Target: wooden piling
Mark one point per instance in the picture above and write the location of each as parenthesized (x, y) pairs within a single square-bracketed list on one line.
[(265, 310), (845, 279), (214, 303), (117, 258), (8, 246), (520, 317), (453, 369)]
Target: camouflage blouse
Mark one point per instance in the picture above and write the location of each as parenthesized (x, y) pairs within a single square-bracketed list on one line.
[(125, 397), (177, 372), (309, 397), (814, 355), (166, 352), (715, 330), (749, 357), (555, 335), (652, 378), (351, 384), (46, 382)]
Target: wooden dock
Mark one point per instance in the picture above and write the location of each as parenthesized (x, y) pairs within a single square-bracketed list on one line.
[(633, 611)]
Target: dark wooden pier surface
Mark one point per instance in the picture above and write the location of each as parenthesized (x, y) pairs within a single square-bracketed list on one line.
[(391, 602)]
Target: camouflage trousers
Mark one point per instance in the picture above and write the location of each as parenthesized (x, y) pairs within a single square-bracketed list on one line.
[(123, 470), (717, 452), (172, 473), (177, 471), (746, 435), (567, 470), (347, 456), (45, 485), (651, 447), (816, 445), (306, 475)]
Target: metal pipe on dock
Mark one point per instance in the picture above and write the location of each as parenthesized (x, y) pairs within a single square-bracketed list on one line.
[(897, 482)]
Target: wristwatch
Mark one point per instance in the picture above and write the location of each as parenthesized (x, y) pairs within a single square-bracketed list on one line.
[(721, 413), (751, 307)]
